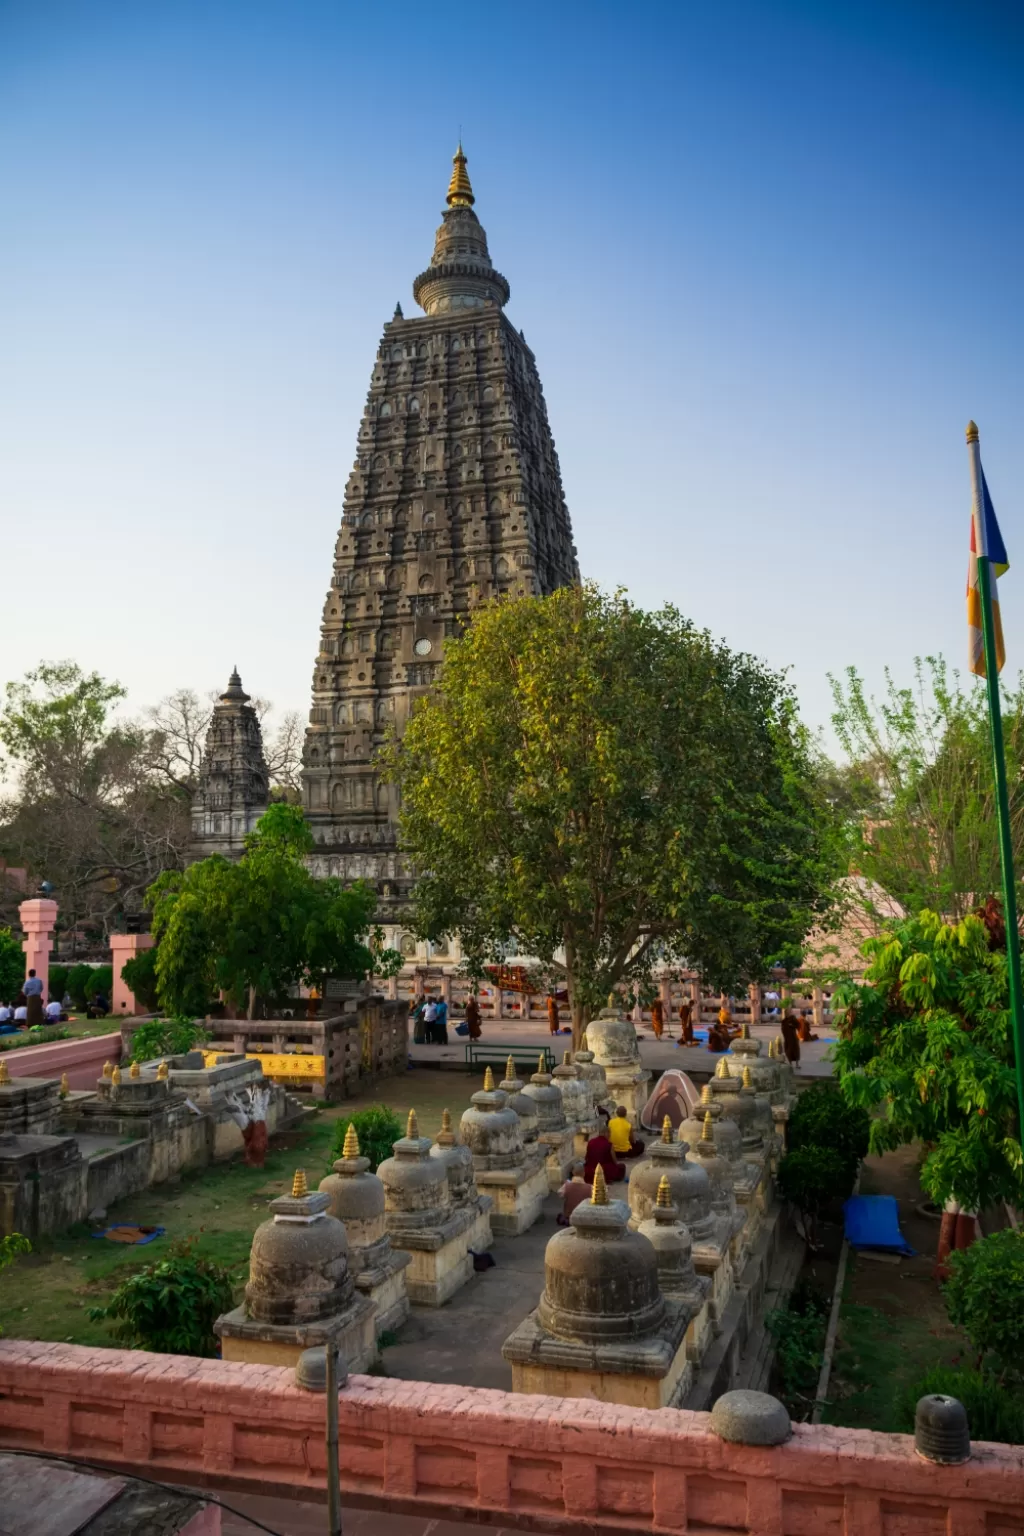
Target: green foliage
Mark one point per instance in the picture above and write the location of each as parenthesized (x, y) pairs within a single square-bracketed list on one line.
[(167, 1037), (812, 1177), (140, 975), (926, 1048), (170, 1306), (34, 1036), (102, 981), (58, 981), (798, 1331), (79, 983), (822, 1117), (994, 1412), (611, 783), (12, 966), (55, 721), (918, 795), (378, 1128), (984, 1296), (10, 1247), (255, 928)]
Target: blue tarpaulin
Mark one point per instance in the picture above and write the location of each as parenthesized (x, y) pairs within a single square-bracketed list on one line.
[(873, 1221)]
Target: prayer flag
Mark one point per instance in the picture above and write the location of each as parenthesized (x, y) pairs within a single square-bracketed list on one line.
[(987, 541)]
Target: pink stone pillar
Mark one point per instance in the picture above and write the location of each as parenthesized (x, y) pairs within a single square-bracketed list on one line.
[(124, 947), (38, 918)]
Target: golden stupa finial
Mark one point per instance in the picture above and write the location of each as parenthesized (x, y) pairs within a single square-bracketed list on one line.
[(708, 1133), (488, 1081), (510, 1071), (613, 1001), (299, 1185), (771, 1050), (446, 1120), (163, 1072), (65, 1086), (666, 1131), (600, 1192), (583, 1042), (5, 1076), (134, 1070), (567, 1058), (745, 1031), (664, 1193), (722, 1070), (108, 1067), (460, 192), (748, 1081), (542, 1065), (115, 1077), (972, 431), (412, 1130), (351, 1147), (707, 1094)]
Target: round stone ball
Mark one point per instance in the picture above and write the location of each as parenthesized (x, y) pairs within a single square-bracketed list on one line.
[(750, 1418)]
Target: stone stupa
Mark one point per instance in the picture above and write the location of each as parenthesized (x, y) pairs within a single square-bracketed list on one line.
[(422, 1220), (577, 1102), (458, 1160), (554, 1133), (357, 1199), (678, 1279), (514, 1176), (612, 1039)]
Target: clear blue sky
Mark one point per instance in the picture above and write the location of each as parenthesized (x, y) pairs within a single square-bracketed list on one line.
[(769, 257)]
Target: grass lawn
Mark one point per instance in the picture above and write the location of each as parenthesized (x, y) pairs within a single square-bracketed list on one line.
[(47, 1294)]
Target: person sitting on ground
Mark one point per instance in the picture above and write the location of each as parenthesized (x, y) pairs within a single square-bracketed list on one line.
[(573, 1192), (473, 1017), (658, 1018), (601, 1155), (7, 1024), (718, 1038), (21, 1015), (54, 1012), (804, 1030), (686, 1022), (725, 1024), (624, 1142), (790, 1039)]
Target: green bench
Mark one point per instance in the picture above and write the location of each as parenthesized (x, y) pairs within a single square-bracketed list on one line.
[(492, 1054)]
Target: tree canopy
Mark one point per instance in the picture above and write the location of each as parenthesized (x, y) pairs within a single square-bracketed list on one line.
[(254, 928), (614, 785)]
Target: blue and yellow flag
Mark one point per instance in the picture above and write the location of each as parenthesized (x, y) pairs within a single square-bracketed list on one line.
[(987, 541)]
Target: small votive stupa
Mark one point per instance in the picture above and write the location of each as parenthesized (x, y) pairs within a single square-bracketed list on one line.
[(612, 1039), (422, 1221), (554, 1133), (593, 1073), (458, 1161), (512, 1087), (514, 1176), (357, 1199), (602, 1329), (748, 1178), (301, 1292), (678, 1279), (577, 1102)]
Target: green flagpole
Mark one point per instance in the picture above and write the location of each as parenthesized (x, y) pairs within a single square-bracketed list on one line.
[(999, 763)]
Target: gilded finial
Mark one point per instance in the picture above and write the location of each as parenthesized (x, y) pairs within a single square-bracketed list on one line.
[(446, 1119), (771, 1050), (567, 1058), (108, 1067), (412, 1130), (600, 1191), (460, 192), (351, 1147), (65, 1086), (745, 1031), (115, 1077), (299, 1185), (972, 431), (613, 1001), (664, 1193), (707, 1095), (488, 1081), (510, 1071), (722, 1070), (134, 1070), (5, 1076), (163, 1071), (541, 1062), (708, 1133), (748, 1081), (666, 1131), (780, 1046)]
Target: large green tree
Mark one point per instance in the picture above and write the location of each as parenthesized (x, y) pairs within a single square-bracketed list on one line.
[(614, 787), (253, 929)]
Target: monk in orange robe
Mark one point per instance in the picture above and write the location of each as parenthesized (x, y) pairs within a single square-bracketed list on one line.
[(686, 1022), (552, 1014), (658, 1018)]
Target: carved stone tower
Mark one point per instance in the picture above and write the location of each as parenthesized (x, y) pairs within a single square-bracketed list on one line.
[(234, 785), (455, 497)]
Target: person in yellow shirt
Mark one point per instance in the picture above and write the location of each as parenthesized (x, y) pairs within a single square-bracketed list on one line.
[(620, 1134)]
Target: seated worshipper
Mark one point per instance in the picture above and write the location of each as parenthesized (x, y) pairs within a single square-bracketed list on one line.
[(600, 1155), (658, 1018), (573, 1192), (790, 1038), (686, 1023), (620, 1132), (21, 1015), (725, 1023), (430, 1020), (804, 1029), (33, 990), (7, 1024), (53, 1011), (473, 1017), (718, 1039)]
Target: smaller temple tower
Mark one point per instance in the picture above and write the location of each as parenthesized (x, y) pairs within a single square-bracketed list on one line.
[(234, 782)]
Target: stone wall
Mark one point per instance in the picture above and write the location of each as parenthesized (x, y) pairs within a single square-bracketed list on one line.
[(522, 1461), (82, 1059)]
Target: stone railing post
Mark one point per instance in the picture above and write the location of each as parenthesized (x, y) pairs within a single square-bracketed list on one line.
[(38, 918)]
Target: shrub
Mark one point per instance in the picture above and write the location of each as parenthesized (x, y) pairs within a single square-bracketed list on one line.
[(170, 1306), (821, 1117), (101, 979), (994, 1412), (799, 1334), (984, 1296), (10, 1247), (140, 975), (78, 978), (12, 966), (58, 981), (166, 1037), (811, 1178), (378, 1128)]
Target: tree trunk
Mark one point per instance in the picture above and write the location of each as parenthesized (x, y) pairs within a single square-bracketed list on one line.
[(959, 1230), (580, 1020), (252, 1003)]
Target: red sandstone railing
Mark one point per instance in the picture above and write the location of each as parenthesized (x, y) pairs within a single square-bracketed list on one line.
[(567, 1464), (81, 1058)]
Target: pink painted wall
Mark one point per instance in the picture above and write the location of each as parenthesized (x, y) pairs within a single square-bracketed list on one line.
[(409, 1445), (38, 918), (123, 947), (82, 1059)]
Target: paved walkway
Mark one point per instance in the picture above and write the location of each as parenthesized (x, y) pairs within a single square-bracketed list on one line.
[(287, 1517)]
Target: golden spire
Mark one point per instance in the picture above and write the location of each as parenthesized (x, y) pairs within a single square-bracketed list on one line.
[(351, 1147), (115, 1077), (510, 1071), (722, 1070), (488, 1081), (567, 1058), (707, 1094), (613, 1001), (5, 1076), (163, 1072), (664, 1193), (748, 1081), (65, 1086), (460, 193), (446, 1120), (299, 1185), (780, 1046), (771, 1050), (108, 1067), (666, 1131), (412, 1130), (583, 1042), (972, 431), (134, 1070), (600, 1192), (542, 1063), (708, 1133)]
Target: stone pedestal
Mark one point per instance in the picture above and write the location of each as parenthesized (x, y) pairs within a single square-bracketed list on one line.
[(300, 1292), (38, 918), (602, 1329), (357, 1200), (29, 1106), (612, 1039), (678, 1279), (422, 1221), (553, 1133), (42, 1184), (513, 1176)]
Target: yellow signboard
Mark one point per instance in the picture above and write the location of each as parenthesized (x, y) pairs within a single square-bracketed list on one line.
[(290, 1065)]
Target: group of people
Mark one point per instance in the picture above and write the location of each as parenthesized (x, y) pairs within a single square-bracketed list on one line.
[(614, 1140), (430, 1021), (28, 1011)]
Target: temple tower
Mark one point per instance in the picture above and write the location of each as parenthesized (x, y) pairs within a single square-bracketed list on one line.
[(234, 784), (455, 497)]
